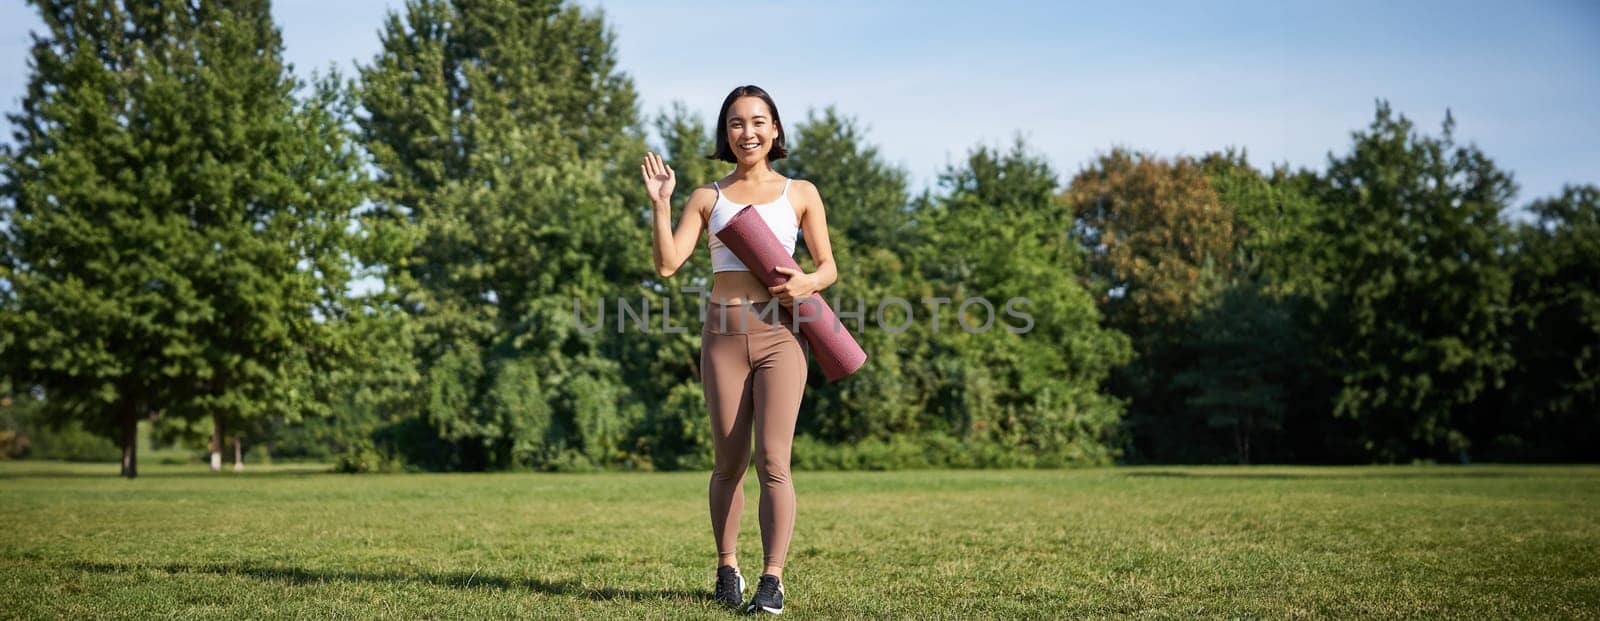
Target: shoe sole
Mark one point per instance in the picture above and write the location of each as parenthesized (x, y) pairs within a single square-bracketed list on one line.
[(776, 611)]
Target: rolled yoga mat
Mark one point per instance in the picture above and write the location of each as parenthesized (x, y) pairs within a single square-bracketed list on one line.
[(750, 239)]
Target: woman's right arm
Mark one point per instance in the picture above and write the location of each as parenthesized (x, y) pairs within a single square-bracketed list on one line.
[(672, 249)]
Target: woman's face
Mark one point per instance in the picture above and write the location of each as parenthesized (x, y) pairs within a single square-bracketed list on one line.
[(750, 129)]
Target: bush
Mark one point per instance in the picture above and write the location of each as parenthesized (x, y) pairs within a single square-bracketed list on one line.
[(12, 445), (930, 450), (72, 443), (367, 459), (171, 458)]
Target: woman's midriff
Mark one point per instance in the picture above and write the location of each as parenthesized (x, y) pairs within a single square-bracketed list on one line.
[(738, 287)]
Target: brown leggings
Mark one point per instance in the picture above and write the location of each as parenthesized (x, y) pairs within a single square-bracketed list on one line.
[(753, 369)]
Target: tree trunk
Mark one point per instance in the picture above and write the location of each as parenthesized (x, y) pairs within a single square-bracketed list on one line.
[(216, 443), (473, 456), (1244, 442), (1240, 444), (130, 441), (238, 455)]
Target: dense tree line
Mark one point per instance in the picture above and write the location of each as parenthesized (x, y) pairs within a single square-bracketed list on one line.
[(183, 219)]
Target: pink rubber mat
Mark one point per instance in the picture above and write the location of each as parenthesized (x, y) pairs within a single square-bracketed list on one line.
[(748, 236)]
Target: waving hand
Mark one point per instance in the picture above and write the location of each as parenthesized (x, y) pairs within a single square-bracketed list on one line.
[(659, 179)]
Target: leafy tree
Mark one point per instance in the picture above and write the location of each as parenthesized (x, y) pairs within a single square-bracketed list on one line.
[(1272, 222), (1242, 378), (1156, 234), (1549, 406), (174, 218), (502, 132), (1001, 233), (1159, 244), (1244, 350), (1409, 241), (281, 182)]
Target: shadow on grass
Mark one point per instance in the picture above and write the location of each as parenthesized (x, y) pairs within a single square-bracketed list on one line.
[(182, 474), (298, 576), (1441, 474)]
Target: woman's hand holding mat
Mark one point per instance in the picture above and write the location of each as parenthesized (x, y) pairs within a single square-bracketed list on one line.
[(798, 286), (750, 239)]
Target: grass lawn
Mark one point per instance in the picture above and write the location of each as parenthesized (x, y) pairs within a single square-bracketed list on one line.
[(1479, 542)]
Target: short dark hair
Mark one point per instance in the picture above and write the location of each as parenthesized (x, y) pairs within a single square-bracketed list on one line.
[(724, 152)]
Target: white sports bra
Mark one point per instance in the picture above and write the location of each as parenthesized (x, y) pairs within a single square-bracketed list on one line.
[(778, 214)]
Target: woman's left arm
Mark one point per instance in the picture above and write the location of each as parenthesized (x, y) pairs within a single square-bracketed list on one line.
[(814, 223)]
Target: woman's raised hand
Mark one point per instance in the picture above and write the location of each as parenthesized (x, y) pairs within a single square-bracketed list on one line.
[(659, 180)]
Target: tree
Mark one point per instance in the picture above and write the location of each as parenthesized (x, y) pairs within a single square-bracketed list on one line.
[(1159, 244), (1244, 351), (500, 131), (175, 218), (281, 178), (1001, 233), (1271, 222), (1410, 241), (1244, 365), (1154, 231), (1549, 406)]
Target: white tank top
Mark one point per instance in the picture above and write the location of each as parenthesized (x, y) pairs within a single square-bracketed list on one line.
[(778, 214)]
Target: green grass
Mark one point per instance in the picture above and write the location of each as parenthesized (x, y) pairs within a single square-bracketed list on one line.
[(1474, 542)]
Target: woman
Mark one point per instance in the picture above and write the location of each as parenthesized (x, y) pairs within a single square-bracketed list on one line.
[(752, 358)]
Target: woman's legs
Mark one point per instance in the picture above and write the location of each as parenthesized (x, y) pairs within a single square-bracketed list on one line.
[(779, 382), (725, 377), (753, 375)]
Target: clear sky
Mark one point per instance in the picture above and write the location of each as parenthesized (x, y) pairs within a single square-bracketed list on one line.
[(1288, 81)]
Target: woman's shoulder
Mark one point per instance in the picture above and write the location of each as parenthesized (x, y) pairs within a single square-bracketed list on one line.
[(804, 195), (702, 199)]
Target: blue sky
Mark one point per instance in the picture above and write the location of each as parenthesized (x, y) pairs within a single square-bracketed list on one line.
[(1287, 81)]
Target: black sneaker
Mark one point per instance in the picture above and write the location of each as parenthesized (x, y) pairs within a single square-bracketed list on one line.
[(730, 586), (768, 597)]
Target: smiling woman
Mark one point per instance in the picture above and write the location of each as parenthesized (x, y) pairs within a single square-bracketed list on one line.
[(752, 359)]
